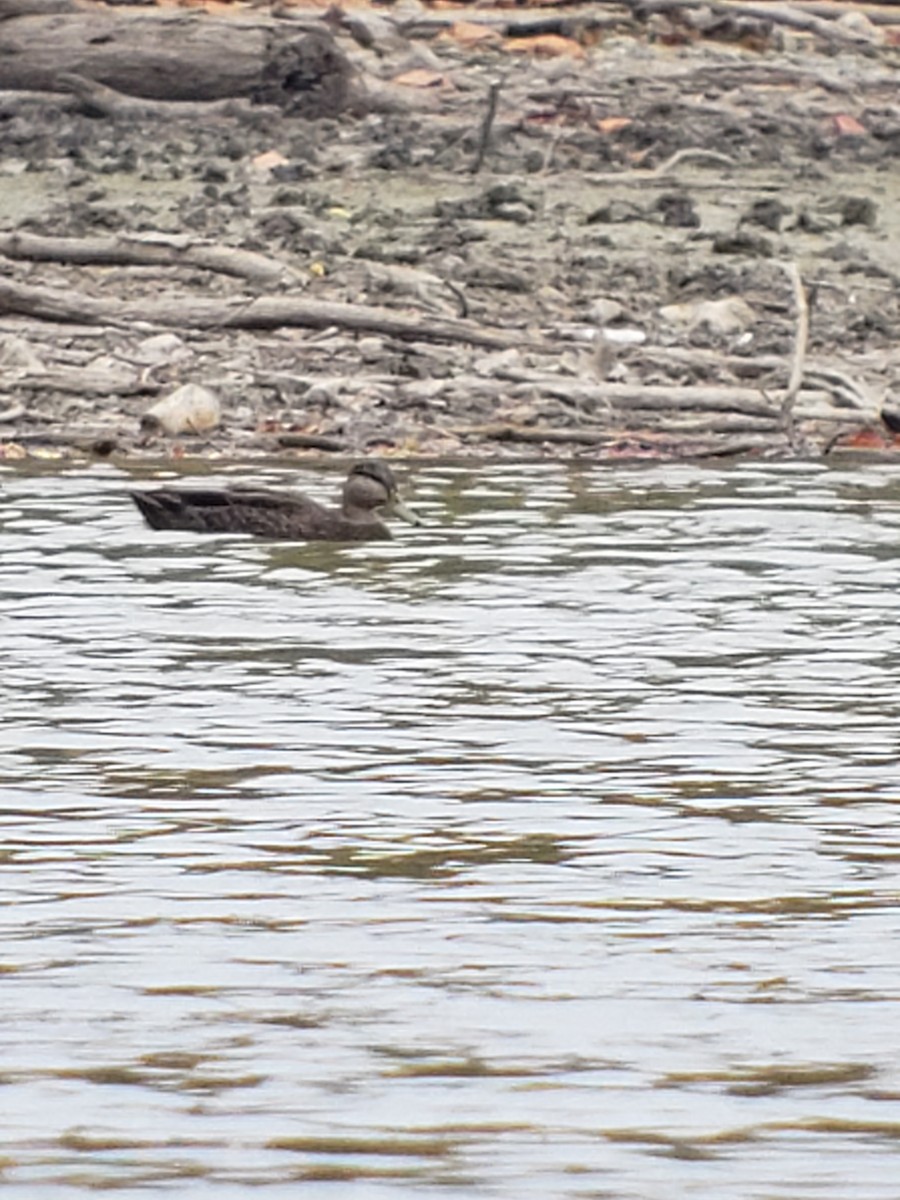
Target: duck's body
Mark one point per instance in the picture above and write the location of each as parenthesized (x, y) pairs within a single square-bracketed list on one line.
[(370, 486)]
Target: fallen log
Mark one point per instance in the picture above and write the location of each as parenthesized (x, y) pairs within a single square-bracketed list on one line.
[(82, 381), (245, 312), (750, 402), (170, 250), (98, 100), (600, 439), (169, 55)]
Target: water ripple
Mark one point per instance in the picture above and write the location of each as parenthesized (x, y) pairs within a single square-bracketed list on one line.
[(547, 850)]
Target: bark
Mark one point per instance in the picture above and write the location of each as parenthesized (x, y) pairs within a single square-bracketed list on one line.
[(176, 56), (159, 250), (245, 312)]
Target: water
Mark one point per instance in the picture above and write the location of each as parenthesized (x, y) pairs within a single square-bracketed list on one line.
[(550, 850)]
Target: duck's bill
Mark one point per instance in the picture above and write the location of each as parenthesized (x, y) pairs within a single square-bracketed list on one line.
[(399, 509)]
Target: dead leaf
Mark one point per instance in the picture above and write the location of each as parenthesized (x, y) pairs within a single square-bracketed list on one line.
[(268, 160), (547, 117), (468, 34), (866, 439), (214, 8), (420, 78), (545, 45), (613, 124), (846, 126)]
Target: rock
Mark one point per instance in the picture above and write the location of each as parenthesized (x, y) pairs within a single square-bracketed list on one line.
[(395, 279), (161, 348), (731, 315), (603, 310), (767, 213), (189, 409), (520, 213), (750, 244), (860, 26), (17, 356), (308, 76), (498, 363), (677, 211), (371, 349)]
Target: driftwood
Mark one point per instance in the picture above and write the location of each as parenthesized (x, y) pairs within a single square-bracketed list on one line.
[(710, 398), (34, 8), (600, 437), (174, 56), (162, 55), (98, 100), (311, 441), (776, 14), (843, 387), (502, 432), (801, 337), (244, 312), (81, 381), (164, 250)]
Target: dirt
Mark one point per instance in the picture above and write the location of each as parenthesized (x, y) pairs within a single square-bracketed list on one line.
[(629, 272)]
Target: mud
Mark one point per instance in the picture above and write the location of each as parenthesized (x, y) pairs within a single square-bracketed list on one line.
[(623, 194)]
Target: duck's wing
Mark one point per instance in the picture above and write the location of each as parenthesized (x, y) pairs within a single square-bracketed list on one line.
[(262, 512)]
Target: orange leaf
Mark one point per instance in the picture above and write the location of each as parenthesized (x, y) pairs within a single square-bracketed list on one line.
[(547, 45), (846, 126), (865, 439), (420, 78), (467, 33), (613, 124), (268, 159)]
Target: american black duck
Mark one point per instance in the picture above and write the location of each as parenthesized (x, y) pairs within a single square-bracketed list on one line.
[(370, 487)]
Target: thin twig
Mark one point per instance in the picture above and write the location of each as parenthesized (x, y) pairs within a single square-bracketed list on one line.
[(691, 152), (844, 387), (158, 249), (696, 153), (487, 124), (801, 339), (260, 312), (555, 138)]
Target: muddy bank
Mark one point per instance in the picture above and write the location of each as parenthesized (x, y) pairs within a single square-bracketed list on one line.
[(661, 245)]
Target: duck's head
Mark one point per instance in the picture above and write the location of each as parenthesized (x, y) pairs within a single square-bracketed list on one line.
[(371, 485)]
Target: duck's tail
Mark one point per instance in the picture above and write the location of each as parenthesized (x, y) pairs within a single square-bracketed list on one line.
[(161, 510)]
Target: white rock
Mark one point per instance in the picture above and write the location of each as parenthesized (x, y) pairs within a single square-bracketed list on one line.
[(161, 348), (603, 309), (189, 409), (731, 315)]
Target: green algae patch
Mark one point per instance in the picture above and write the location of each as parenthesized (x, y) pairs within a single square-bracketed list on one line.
[(388, 1147)]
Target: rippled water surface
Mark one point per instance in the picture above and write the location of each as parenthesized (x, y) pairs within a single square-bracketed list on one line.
[(550, 850)]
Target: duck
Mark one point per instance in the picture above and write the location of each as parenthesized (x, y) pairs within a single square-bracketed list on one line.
[(290, 516)]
